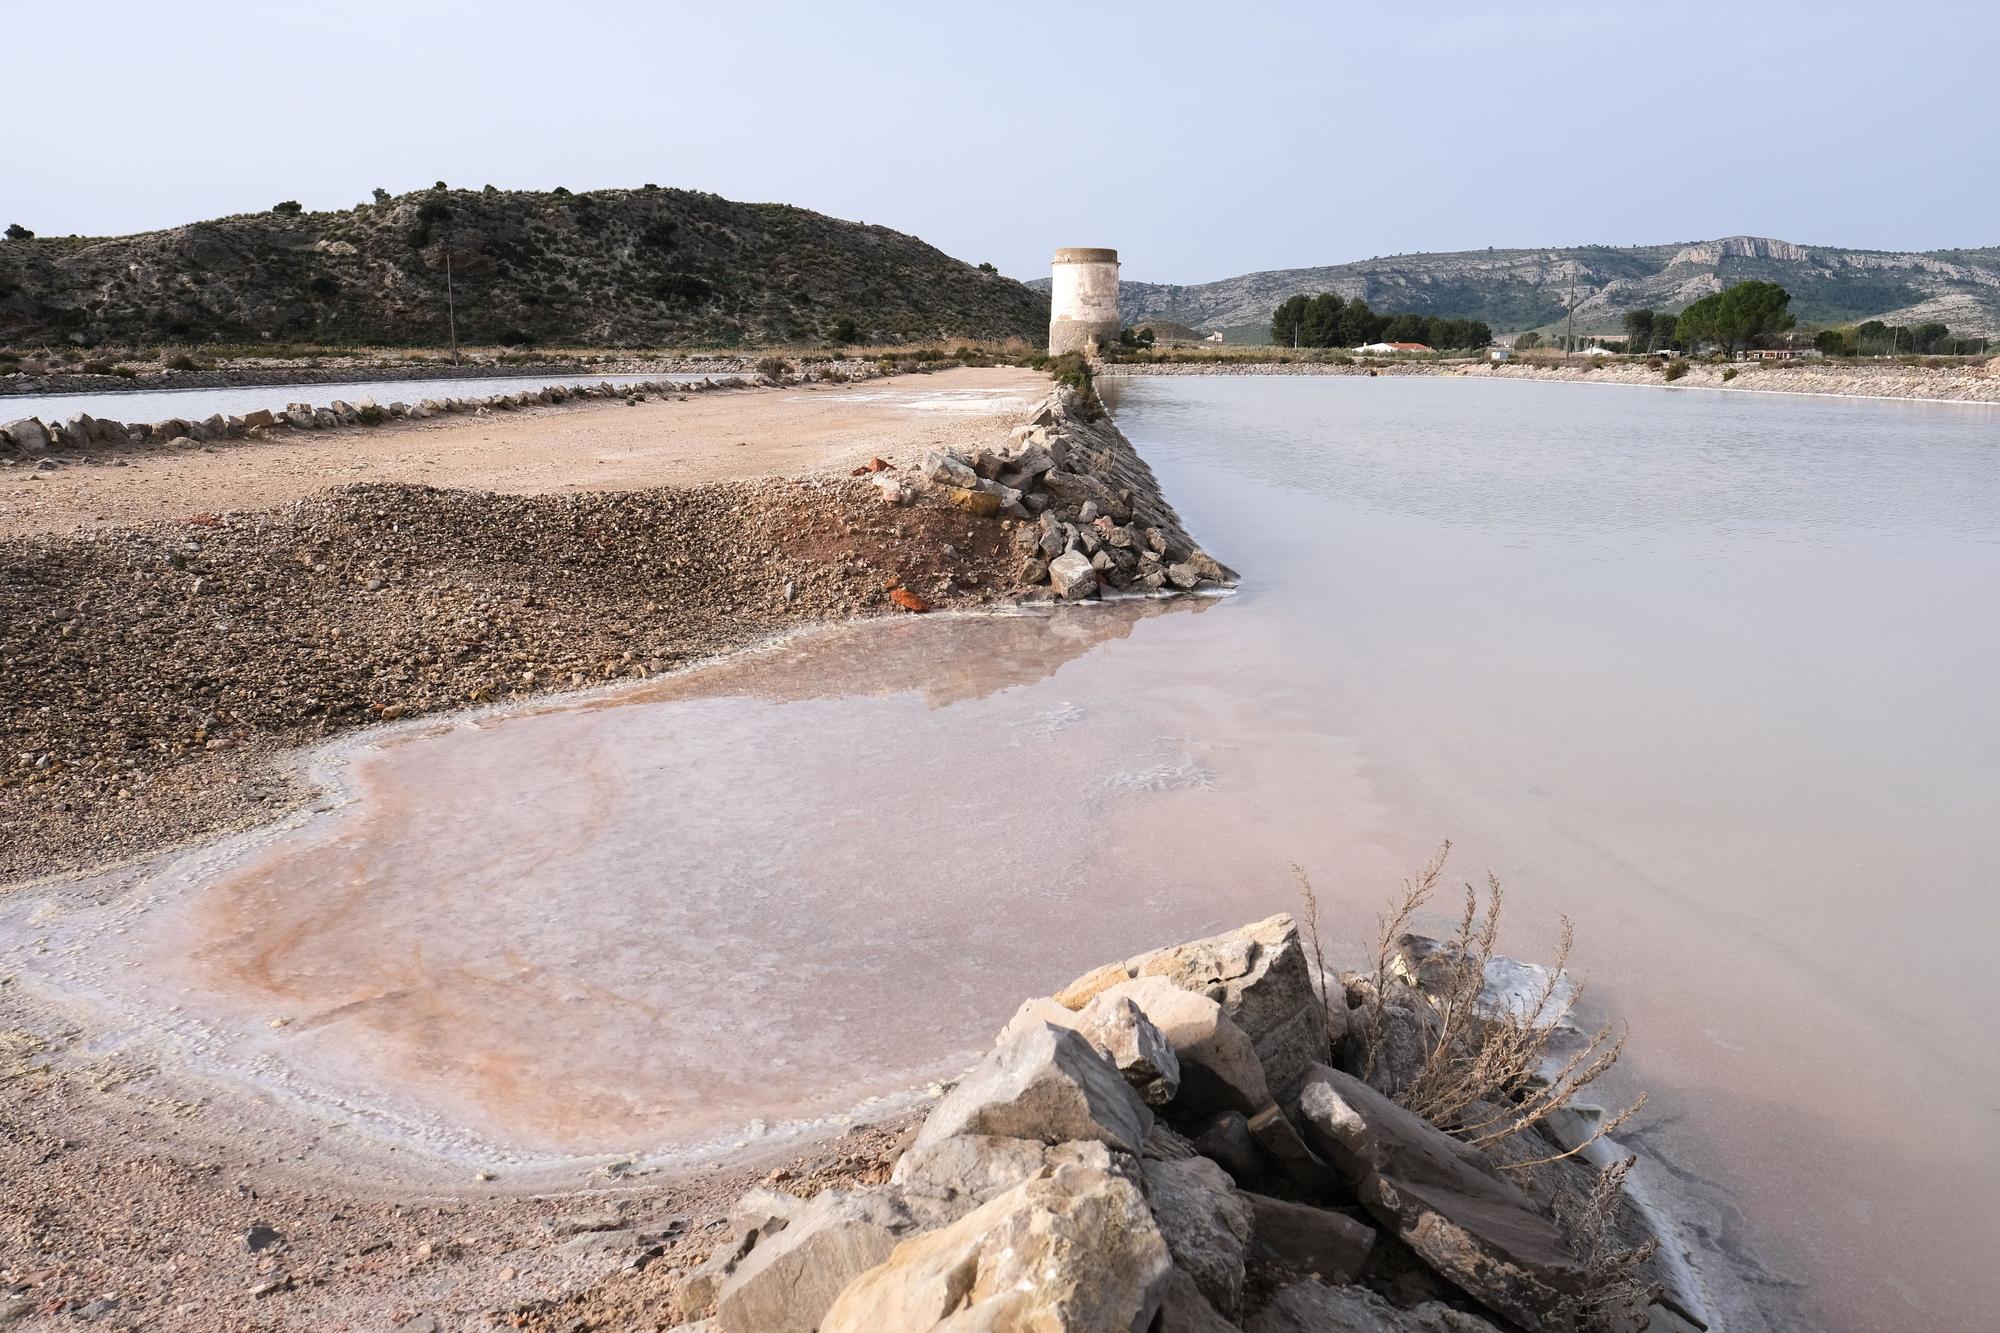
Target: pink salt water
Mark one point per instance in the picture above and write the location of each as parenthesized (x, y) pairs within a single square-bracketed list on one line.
[(1710, 674)]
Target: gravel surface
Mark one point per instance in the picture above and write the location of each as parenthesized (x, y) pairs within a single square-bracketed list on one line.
[(152, 671), (102, 1227)]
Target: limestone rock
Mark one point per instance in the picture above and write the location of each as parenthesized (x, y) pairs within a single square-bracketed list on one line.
[(1046, 1083), (1219, 1068), (1037, 1011), (1225, 1140), (1073, 1248), (1261, 977), (948, 470), (1072, 576), (1442, 1198), (1140, 1050), (1511, 991), (1091, 984), (976, 1167), (1206, 1223), (1295, 1240), (29, 436), (1185, 1310), (1287, 1155), (890, 487), (1313, 1307), (787, 1282), (982, 503), (1401, 1037), (1074, 489)]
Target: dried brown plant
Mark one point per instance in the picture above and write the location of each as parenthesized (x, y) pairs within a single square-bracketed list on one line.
[(1615, 1288), (1484, 1078), (1325, 980)]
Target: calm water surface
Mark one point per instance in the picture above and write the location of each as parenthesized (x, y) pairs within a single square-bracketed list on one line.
[(196, 404), (1711, 674)]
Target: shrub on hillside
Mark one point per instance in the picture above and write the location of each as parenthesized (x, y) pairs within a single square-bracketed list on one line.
[(1675, 369)]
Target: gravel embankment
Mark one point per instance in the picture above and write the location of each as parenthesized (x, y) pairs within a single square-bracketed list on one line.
[(152, 671)]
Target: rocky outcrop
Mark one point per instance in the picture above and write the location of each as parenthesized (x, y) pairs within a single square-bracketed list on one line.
[(1042, 1194), (639, 268), (1514, 290)]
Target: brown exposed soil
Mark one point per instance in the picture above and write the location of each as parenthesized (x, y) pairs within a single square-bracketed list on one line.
[(100, 1221), (155, 670)]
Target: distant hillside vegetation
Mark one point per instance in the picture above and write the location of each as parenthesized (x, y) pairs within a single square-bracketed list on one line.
[(1516, 290), (611, 268)]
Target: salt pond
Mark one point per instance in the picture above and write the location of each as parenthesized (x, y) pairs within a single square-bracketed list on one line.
[(1712, 674)]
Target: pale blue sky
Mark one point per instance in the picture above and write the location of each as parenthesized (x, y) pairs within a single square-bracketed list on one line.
[(1201, 140)]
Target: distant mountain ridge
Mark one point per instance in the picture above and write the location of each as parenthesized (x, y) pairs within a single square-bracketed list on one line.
[(1516, 290), (607, 268)]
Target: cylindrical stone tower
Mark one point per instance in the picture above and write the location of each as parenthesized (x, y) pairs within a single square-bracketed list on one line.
[(1083, 302)]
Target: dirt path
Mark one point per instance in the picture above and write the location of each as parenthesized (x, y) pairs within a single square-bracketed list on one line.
[(593, 446)]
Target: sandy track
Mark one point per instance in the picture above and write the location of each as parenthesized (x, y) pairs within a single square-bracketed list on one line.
[(598, 445)]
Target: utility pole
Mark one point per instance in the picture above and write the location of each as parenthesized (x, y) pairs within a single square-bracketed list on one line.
[(1569, 336)]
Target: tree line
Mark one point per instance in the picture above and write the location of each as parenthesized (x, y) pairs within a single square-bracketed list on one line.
[(1752, 314), (1327, 321), (1874, 338)]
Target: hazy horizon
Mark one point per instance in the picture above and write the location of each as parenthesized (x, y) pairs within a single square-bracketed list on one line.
[(1283, 138)]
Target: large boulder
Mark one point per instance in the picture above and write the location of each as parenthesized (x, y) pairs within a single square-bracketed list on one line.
[(1072, 1249), (1045, 1083), (1183, 1309), (1121, 1033), (1075, 489), (1219, 1068), (1141, 1052), (787, 1282), (1261, 977), (759, 1215), (1091, 985), (1207, 1225), (948, 469), (1285, 1153), (1072, 576), (1313, 1307), (1443, 1198), (1390, 1044), (1295, 1240), (975, 1167), (30, 437), (1225, 1140)]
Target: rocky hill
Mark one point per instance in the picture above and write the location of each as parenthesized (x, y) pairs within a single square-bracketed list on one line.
[(615, 268), (1514, 290)]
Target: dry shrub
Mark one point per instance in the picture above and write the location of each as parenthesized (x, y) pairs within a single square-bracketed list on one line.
[(1615, 1284), (1483, 1078), (1323, 978)]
